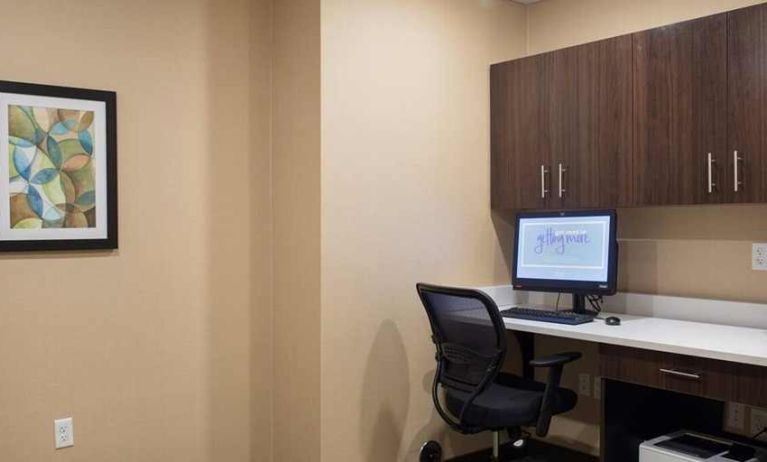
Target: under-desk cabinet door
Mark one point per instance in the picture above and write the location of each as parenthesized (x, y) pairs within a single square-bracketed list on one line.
[(721, 380)]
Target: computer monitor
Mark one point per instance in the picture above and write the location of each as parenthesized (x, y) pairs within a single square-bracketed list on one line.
[(568, 252)]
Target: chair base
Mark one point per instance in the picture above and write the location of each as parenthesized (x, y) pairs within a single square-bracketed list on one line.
[(518, 443)]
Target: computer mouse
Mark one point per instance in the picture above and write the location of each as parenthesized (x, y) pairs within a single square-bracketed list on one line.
[(613, 321)]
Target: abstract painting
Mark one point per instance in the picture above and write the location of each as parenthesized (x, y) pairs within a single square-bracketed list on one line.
[(58, 188), (52, 175)]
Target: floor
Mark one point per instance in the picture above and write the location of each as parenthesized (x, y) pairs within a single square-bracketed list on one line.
[(537, 452)]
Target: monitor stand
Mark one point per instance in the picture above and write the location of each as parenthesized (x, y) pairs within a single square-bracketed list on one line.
[(579, 304)]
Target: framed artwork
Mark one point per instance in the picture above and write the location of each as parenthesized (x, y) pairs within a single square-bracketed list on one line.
[(58, 168)]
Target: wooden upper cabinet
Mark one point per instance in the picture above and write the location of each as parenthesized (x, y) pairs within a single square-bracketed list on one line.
[(680, 123), (561, 128), (587, 137), (519, 172), (668, 116), (746, 177), (602, 156), (559, 132)]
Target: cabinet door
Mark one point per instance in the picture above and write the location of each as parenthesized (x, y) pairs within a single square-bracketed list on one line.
[(587, 130), (709, 96), (604, 116), (746, 104), (680, 86), (520, 175), (559, 133)]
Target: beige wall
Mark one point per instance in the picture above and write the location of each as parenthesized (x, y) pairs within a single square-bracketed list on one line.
[(261, 334), (556, 24), (296, 202), (405, 198), (686, 251), (147, 347), (333, 158), (693, 251)]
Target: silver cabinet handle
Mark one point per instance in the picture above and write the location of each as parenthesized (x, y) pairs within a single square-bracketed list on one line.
[(711, 184), (544, 172), (736, 171), (686, 375), (562, 189)]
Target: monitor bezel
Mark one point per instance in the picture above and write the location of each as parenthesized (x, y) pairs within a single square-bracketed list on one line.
[(566, 286)]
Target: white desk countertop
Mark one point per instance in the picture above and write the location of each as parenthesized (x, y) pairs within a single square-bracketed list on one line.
[(715, 341)]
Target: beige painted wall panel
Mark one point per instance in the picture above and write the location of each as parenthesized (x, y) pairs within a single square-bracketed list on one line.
[(405, 198), (296, 196), (556, 24), (146, 347), (261, 334), (693, 251)]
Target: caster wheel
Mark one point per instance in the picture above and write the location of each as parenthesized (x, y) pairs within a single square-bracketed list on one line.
[(431, 452), (519, 448)]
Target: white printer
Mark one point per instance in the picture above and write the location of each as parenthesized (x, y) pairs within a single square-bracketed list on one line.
[(684, 446)]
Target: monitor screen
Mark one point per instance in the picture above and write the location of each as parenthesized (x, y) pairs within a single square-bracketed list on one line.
[(566, 250)]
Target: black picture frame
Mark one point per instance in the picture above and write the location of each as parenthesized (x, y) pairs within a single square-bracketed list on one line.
[(109, 98)]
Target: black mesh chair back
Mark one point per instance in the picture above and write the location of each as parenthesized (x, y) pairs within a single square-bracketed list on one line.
[(469, 336)]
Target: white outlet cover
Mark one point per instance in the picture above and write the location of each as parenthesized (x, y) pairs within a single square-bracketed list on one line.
[(736, 416), (759, 257), (64, 433), (597, 387), (758, 420)]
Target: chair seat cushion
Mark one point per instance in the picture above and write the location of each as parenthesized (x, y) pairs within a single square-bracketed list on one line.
[(508, 402)]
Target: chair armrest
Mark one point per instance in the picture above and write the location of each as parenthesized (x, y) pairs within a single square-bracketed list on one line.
[(558, 359), (555, 363)]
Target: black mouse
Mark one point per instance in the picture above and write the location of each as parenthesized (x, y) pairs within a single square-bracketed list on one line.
[(613, 321)]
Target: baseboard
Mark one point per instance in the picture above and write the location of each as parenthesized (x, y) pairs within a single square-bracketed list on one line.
[(536, 448)]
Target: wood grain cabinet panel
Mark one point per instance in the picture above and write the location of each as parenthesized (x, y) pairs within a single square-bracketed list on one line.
[(588, 133), (669, 116), (720, 380), (680, 90), (517, 158), (747, 73), (604, 148), (561, 128), (560, 132)]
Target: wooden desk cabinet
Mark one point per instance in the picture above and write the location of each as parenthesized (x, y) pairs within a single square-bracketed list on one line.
[(647, 393), (708, 378)]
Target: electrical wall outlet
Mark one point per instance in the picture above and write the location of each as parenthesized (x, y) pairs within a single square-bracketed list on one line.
[(736, 416), (759, 257), (584, 384), (64, 433), (597, 387), (758, 420)]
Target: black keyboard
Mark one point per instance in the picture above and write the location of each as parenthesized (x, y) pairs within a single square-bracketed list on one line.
[(559, 317)]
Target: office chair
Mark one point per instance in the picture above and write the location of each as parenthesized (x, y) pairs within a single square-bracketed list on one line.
[(469, 335)]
